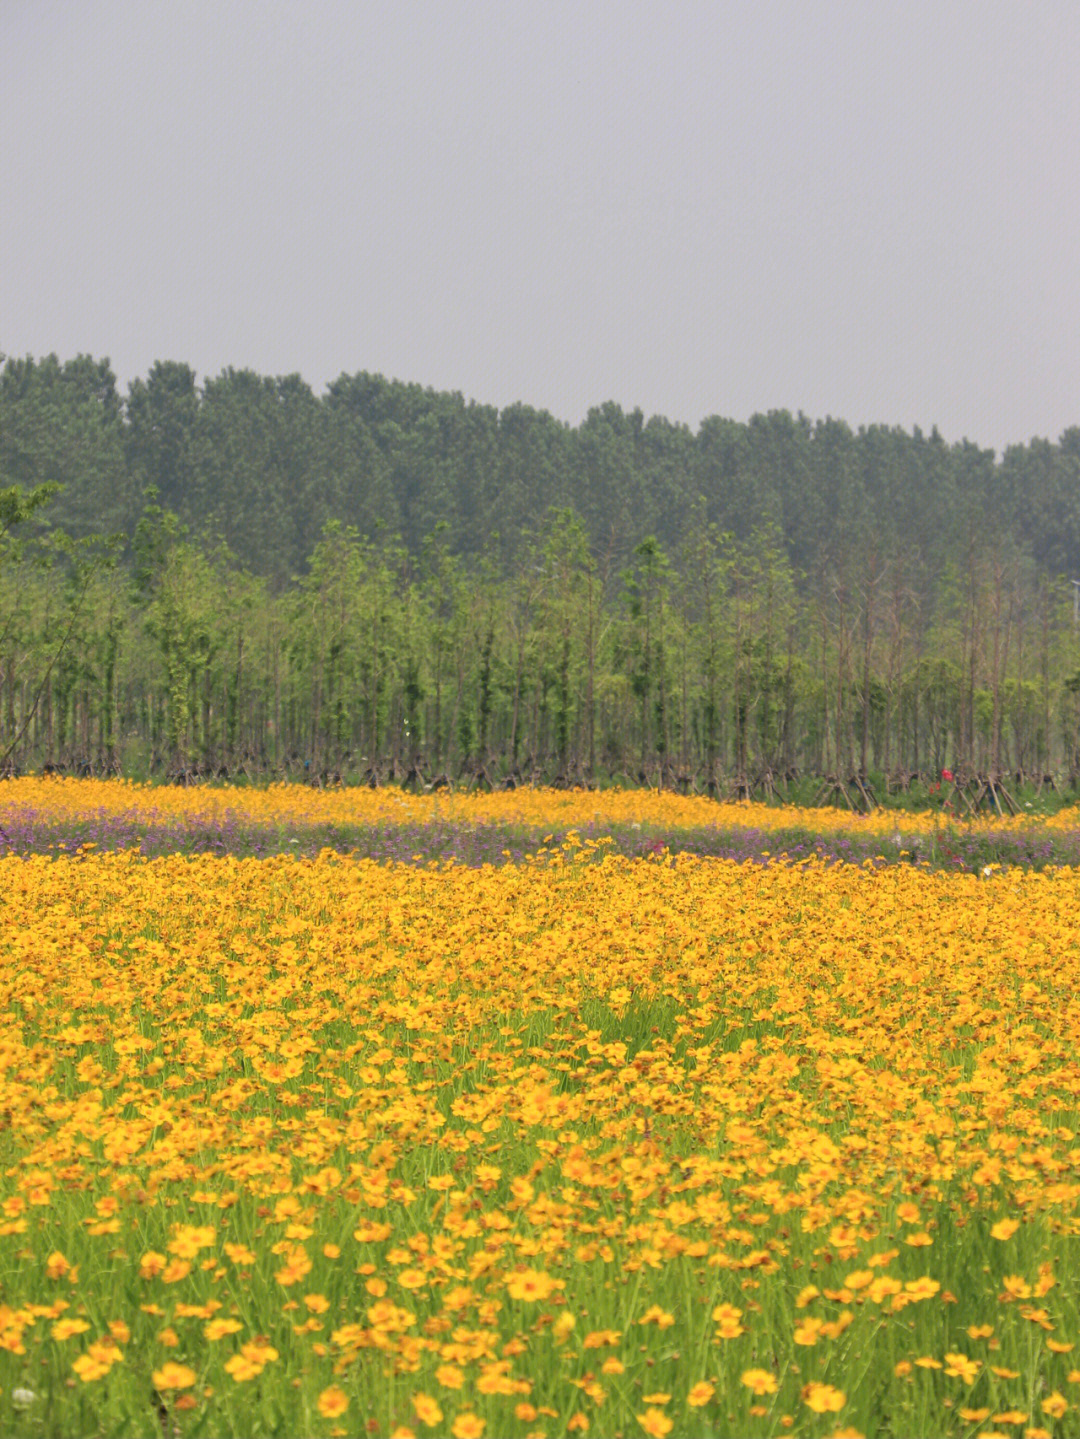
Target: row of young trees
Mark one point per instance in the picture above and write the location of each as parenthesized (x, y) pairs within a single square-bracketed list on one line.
[(714, 664)]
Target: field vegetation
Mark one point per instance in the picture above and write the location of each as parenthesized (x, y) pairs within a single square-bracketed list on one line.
[(389, 584), (728, 1084), (54, 815), (574, 1143)]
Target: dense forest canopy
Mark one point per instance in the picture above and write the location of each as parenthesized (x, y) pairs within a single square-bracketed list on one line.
[(389, 578), (264, 463)]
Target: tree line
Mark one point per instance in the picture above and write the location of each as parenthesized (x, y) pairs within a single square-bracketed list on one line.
[(263, 464), (388, 582)]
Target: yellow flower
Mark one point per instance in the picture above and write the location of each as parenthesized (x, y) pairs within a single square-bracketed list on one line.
[(959, 1366), (924, 1288), (808, 1332), (759, 1381), (1055, 1405), (332, 1402), (65, 1328), (426, 1409), (188, 1239), (251, 1360), (56, 1266), (173, 1376), (883, 1287), (530, 1285), (151, 1264), (655, 1423), (468, 1426), (97, 1361), (88, 1368), (823, 1398), (218, 1328), (1005, 1228), (1015, 1286), (601, 1338), (260, 1350), (859, 1279), (243, 1367), (700, 1394)]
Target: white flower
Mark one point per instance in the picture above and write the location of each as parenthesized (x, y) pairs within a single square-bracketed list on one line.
[(22, 1398)]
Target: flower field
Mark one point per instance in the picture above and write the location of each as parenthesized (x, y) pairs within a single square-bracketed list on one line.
[(577, 1142), (60, 800), (57, 816)]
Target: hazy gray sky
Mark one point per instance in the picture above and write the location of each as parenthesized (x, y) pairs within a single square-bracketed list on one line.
[(861, 209)]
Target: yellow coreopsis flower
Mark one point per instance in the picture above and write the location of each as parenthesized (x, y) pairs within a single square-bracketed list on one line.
[(173, 1376), (655, 1423), (530, 1285), (427, 1409), (759, 1381), (333, 1402), (823, 1398)]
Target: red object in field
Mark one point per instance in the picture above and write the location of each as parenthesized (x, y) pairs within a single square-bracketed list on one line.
[(946, 774)]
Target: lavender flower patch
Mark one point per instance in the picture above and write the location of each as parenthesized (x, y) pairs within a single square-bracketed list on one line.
[(28, 832)]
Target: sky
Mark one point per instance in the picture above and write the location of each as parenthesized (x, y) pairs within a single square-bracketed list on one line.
[(864, 210)]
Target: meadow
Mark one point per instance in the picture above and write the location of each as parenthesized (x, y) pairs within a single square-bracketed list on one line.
[(577, 1141), (58, 816)]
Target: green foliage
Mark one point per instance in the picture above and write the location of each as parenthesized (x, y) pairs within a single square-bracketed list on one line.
[(265, 464), (17, 506), (388, 580)]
